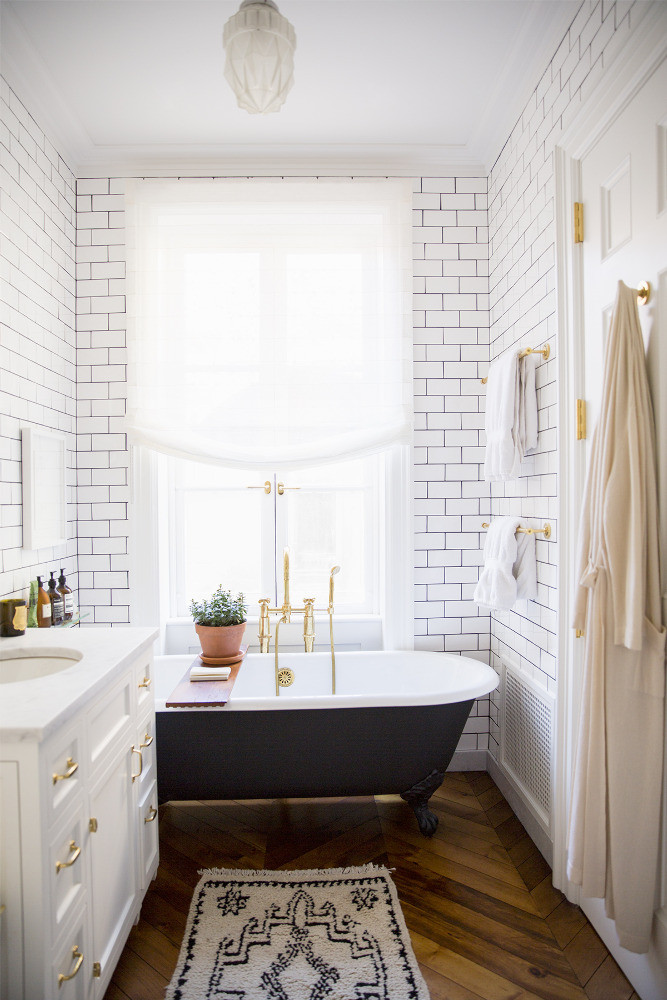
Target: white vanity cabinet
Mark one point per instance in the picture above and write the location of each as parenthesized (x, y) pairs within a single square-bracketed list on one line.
[(80, 843)]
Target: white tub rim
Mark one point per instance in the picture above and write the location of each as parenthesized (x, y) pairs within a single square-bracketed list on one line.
[(482, 681)]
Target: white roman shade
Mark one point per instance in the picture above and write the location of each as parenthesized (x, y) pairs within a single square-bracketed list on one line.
[(269, 321)]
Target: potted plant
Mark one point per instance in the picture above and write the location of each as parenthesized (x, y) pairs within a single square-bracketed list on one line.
[(220, 623)]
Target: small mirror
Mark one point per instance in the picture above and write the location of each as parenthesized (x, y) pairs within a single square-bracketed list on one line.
[(43, 478)]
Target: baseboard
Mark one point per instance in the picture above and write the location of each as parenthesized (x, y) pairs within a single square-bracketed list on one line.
[(468, 760), (647, 973), (523, 812)]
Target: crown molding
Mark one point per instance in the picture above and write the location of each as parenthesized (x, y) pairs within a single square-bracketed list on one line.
[(26, 74), (272, 160), (523, 63)]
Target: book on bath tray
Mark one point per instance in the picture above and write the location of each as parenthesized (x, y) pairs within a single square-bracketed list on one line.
[(215, 669), (200, 672)]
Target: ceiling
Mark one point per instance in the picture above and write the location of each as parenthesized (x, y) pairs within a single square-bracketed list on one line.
[(407, 86)]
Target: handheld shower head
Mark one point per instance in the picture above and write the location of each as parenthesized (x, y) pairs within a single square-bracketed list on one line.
[(335, 569)]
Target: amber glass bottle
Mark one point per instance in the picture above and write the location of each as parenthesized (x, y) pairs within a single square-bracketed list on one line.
[(43, 605), (57, 602), (67, 596)]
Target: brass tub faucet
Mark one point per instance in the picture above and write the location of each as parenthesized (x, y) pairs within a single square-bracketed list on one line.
[(285, 612)]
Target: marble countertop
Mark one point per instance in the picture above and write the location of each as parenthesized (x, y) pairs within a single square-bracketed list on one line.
[(33, 709)]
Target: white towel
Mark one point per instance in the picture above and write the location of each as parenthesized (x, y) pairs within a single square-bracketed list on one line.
[(524, 570), (502, 457), (527, 431), (497, 585), (511, 415)]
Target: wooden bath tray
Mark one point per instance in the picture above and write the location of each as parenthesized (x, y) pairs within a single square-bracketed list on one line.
[(203, 694)]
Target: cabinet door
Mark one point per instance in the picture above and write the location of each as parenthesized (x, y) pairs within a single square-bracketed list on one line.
[(113, 859)]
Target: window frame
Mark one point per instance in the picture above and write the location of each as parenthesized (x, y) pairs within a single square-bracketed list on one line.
[(392, 628)]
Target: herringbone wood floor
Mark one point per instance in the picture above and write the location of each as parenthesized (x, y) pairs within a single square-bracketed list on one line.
[(484, 919)]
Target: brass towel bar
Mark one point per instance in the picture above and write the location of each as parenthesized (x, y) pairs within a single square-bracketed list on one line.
[(544, 351), (546, 530)]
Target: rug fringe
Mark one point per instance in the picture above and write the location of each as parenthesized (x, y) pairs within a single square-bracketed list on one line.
[(297, 873)]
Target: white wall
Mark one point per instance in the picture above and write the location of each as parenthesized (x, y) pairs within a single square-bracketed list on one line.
[(37, 338), (461, 271), (522, 288), (451, 352)]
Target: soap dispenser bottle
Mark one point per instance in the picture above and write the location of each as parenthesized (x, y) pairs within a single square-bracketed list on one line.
[(67, 596), (57, 602), (43, 605)]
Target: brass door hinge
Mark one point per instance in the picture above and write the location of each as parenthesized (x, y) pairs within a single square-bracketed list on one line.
[(579, 633), (92, 825), (578, 222), (97, 970), (581, 419)]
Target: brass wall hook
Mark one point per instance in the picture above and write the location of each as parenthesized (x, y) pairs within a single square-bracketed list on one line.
[(644, 292)]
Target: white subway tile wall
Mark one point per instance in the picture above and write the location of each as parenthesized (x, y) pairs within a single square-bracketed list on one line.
[(484, 282), (451, 354), (522, 289), (102, 456), (37, 333)]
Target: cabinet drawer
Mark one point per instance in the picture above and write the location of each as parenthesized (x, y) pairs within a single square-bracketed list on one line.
[(109, 719), (143, 678), (149, 836), (72, 967), (63, 763), (146, 744), (67, 869)]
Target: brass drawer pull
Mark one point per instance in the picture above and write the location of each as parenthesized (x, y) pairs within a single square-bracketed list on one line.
[(62, 978), (76, 851), (146, 683), (151, 816), (281, 488), (149, 740), (72, 766), (141, 764)]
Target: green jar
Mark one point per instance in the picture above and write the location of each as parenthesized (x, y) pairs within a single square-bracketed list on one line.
[(13, 616)]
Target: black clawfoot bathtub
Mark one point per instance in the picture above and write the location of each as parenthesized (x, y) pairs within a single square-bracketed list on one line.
[(391, 727)]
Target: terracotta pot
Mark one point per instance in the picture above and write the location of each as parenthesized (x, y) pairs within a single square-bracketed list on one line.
[(220, 640)]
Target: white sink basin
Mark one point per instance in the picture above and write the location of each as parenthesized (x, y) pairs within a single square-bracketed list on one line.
[(30, 664)]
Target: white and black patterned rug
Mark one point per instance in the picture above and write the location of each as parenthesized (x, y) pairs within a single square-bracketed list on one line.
[(336, 934)]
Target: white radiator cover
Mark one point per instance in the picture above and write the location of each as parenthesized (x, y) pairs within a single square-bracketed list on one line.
[(526, 742)]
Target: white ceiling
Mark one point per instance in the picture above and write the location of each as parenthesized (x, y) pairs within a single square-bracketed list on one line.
[(401, 85)]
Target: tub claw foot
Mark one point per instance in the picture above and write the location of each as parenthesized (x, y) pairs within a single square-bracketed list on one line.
[(417, 798)]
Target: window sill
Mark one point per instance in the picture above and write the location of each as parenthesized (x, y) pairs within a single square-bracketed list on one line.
[(350, 632)]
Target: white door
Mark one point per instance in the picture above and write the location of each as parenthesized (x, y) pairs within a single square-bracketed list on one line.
[(624, 193)]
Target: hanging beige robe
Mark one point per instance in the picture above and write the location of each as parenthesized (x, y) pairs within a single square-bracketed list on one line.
[(613, 838)]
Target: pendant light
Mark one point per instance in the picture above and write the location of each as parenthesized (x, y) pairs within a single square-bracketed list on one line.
[(259, 45)]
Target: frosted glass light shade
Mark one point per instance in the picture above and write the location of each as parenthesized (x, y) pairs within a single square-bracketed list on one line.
[(259, 66)]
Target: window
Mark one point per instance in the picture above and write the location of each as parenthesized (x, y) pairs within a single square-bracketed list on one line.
[(269, 340), (225, 524)]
